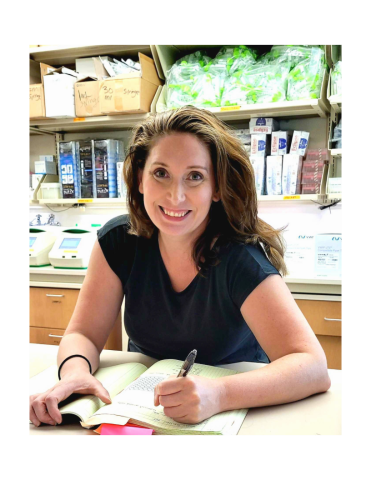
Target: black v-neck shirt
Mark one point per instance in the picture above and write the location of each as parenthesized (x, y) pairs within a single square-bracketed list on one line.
[(163, 323)]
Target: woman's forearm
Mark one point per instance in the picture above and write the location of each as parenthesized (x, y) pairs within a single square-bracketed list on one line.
[(77, 343), (285, 380)]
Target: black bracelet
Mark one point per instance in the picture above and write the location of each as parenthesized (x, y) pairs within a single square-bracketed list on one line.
[(65, 360)]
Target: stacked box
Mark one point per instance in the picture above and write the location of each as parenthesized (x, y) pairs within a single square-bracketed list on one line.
[(260, 144), (259, 165), (274, 175), (263, 125), (69, 171), (279, 144), (313, 170), (106, 154), (87, 169), (299, 143), (291, 174)]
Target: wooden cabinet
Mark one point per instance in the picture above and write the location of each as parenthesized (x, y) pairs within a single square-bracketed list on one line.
[(325, 319), (50, 312)]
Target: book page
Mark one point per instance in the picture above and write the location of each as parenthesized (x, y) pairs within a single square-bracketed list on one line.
[(114, 379), (137, 402)]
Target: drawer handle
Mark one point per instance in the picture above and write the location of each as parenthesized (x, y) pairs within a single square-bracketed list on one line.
[(333, 319), (55, 336), (48, 295)]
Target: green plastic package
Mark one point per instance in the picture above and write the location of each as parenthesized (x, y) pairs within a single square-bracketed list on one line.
[(305, 79)]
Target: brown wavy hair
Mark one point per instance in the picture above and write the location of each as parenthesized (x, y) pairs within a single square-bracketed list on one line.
[(234, 218)]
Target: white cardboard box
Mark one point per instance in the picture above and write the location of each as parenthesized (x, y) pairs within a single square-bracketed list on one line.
[(299, 143), (43, 167), (259, 144), (263, 125), (274, 175), (279, 145), (291, 174), (60, 93)]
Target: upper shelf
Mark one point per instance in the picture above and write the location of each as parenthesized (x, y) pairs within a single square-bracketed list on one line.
[(120, 202), (89, 124), (67, 54), (335, 102)]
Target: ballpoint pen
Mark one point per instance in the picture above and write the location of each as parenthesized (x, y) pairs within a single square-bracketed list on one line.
[(188, 364)]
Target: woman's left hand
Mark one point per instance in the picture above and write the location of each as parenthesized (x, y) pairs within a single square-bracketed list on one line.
[(189, 399)]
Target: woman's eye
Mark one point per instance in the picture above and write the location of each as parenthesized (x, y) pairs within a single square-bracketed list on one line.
[(195, 174), (157, 172)]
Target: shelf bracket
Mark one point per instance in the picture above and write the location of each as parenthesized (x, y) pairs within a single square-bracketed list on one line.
[(41, 131)]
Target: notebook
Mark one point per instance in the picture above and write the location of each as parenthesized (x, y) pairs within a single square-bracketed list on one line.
[(131, 388)]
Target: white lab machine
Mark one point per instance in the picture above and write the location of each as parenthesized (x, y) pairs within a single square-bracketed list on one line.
[(41, 242), (72, 249)]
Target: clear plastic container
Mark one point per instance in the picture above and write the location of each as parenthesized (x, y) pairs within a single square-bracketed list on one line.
[(50, 190)]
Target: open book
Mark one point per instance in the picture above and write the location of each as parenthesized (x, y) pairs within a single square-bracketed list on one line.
[(131, 387)]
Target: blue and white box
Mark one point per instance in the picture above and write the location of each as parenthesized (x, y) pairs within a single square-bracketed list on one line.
[(279, 144), (299, 143), (263, 125), (259, 165), (69, 169), (274, 175), (259, 144)]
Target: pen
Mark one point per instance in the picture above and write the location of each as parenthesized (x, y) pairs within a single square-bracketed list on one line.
[(188, 364)]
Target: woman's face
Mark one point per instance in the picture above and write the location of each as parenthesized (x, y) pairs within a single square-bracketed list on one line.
[(178, 178)]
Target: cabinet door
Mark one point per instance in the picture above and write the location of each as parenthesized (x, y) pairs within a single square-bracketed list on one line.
[(50, 312), (324, 317), (46, 336), (332, 349), (52, 307)]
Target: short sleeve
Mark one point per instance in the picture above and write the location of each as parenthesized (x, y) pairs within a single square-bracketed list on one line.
[(118, 246), (248, 267)]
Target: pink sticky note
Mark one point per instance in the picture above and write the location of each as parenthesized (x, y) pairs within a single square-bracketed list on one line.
[(109, 429)]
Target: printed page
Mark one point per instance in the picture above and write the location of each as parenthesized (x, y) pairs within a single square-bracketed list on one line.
[(114, 379), (137, 402)]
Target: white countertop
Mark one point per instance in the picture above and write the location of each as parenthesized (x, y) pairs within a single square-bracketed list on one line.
[(316, 415), (73, 278)]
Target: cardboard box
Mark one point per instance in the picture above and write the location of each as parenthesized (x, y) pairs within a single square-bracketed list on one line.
[(92, 67), (60, 93), (37, 94), (131, 92), (328, 255), (299, 143), (87, 102), (45, 167), (280, 141), (259, 165), (263, 125), (274, 175), (259, 144), (291, 174), (37, 101)]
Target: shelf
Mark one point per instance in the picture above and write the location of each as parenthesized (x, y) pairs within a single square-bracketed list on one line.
[(93, 202), (90, 124), (67, 54), (297, 108), (336, 152), (292, 198), (119, 202)]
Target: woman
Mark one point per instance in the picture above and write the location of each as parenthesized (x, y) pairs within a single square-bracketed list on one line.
[(198, 269)]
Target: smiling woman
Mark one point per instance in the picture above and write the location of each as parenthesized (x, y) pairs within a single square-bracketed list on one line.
[(222, 186), (199, 270)]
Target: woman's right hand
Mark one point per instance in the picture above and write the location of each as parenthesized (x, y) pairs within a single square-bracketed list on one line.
[(44, 406)]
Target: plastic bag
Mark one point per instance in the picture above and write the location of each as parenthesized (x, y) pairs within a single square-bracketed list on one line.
[(181, 78), (208, 88), (259, 84), (235, 58), (305, 80), (336, 79)]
